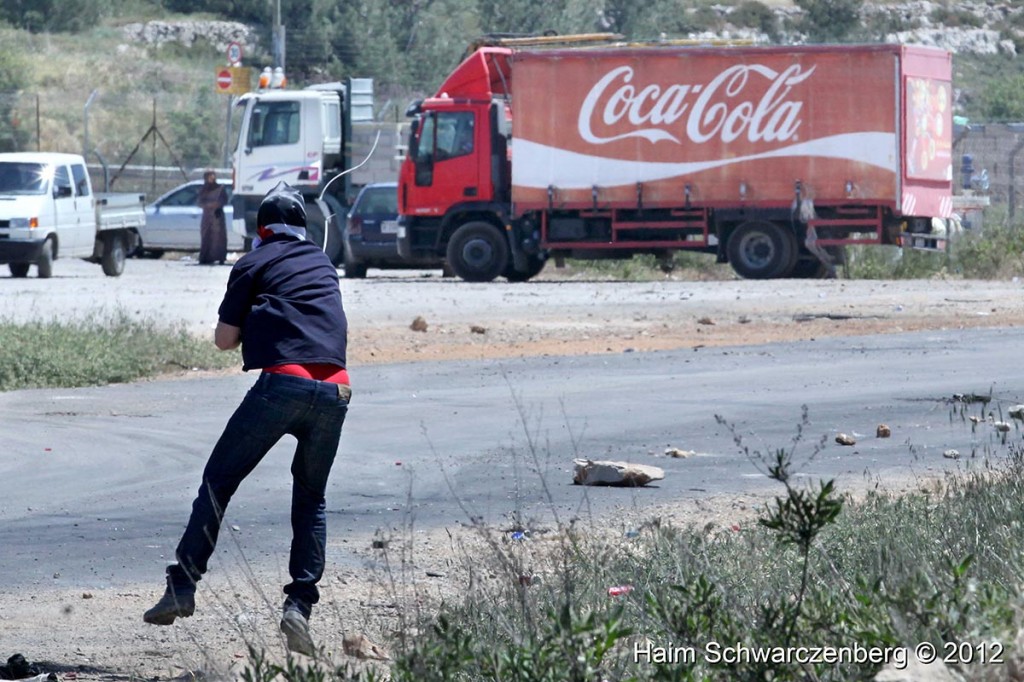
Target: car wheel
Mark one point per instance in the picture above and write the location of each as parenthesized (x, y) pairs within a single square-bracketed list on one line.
[(113, 255), (354, 269), (478, 252), (19, 269), (317, 228), (44, 266)]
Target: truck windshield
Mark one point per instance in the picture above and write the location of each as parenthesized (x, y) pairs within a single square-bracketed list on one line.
[(24, 178), (273, 123)]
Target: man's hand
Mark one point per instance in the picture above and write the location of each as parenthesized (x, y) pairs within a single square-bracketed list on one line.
[(227, 336)]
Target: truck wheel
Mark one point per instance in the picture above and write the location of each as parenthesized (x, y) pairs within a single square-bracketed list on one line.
[(315, 231), (478, 252), (19, 269), (44, 266), (113, 256), (534, 264), (762, 250)]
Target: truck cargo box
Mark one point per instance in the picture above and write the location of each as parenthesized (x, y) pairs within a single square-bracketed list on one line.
[(749, 126)]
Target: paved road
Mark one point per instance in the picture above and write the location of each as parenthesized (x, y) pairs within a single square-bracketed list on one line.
[(97, 481)]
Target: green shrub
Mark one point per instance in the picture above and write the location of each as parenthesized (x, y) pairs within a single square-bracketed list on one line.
[(829, 20), (756, 15)]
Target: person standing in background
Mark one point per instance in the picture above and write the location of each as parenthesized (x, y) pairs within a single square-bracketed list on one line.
[(213, 233)]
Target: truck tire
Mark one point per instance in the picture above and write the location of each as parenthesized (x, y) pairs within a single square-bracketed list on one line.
[(44, 266), (534, 264), (113, 255), (478, 252), (316, 228), (19, 269), (759, 249)]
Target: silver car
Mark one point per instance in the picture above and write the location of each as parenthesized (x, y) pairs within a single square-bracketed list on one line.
[(172, 222)]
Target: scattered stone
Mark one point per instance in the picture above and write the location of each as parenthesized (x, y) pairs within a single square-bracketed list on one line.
[(379, 544), (361, 647), (418, 325), (679, 454), (1001, 427), (87, 595), (1017, 412), (434, 574), (590, 472), (951, 454), (883, 431), (845, 439), (705, 320)]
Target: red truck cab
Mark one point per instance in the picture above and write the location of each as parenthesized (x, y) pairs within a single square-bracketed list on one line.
[(457, 172)]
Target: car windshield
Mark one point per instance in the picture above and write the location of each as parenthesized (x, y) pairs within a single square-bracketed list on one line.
[(24, 178), (377, 200)]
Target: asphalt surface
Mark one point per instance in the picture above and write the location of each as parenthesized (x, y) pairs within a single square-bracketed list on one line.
[(98, 481)]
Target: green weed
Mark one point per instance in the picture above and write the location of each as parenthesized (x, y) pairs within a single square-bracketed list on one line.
[(99, 350)]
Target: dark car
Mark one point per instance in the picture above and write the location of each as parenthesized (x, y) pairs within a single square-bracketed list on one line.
[(370, 233)]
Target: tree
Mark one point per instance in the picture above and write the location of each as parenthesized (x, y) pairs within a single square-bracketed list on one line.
[(531, 17), (649, 20), (13, 136), (829, 20), (53, 15)]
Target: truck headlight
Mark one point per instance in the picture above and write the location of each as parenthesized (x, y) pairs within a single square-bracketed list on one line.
[(24, 222)]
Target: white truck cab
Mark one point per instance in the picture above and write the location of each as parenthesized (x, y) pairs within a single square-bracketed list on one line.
[(303, 137), (48, 211)]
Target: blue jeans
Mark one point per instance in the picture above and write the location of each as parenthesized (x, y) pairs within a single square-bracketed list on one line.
[(277, 404)]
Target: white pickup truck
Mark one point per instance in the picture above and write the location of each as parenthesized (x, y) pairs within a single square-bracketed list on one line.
[(49, 211)]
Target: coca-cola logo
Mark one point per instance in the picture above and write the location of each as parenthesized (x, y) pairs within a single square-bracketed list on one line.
[(717, 109)]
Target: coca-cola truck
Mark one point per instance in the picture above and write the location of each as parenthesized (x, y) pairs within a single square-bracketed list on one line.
[(763, 156)]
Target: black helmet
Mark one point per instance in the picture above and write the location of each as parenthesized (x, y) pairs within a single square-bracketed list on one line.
[(283, 204)]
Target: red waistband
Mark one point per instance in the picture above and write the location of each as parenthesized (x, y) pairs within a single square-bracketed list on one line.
[(319, 371)]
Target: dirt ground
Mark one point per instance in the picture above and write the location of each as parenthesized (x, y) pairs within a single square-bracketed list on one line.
[(91, 634)]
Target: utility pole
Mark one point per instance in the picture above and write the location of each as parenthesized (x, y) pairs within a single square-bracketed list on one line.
[(279, 37)]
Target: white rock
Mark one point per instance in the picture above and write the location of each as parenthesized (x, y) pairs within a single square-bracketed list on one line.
[(603, 472)]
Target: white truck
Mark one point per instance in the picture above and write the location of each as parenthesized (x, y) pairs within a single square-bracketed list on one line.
[(307, 138), (49, 211)]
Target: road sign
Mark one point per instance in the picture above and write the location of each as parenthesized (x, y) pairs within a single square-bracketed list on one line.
[(233, 80), (234, 53)]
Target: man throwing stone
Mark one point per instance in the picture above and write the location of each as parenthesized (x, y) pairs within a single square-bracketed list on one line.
[(283, 306)]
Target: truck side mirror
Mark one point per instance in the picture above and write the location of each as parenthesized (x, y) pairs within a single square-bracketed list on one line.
[(414, 140), (424, 170), (62, 192)]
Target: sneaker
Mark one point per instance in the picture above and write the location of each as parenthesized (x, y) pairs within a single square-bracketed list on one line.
[(295, 627), (171, 606)]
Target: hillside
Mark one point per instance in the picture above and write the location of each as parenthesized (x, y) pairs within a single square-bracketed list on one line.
[(148, 63)]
